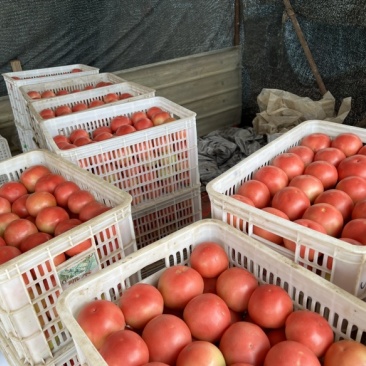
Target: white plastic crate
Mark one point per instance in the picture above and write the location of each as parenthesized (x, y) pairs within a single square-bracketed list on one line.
[(34, 108), (4, 149), (14, 80), (306, 289), (26, 138), (28, 317), (349, 268), (151, 164)]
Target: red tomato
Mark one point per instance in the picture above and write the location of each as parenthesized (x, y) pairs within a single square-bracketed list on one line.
[(326, 172), (101, 129), (140, 303), (38, 200), (179, 284), (124, 345), (19, 207), (290, 163), (119, 121), (276, 335), (79, 132), (267, 235), (290, 353), (92, 209), (166, 335), (12, 190), (200, 353), (354, 186), (100, 318), (352, 165), (349, 143), (5, 205), (309, 184), (273, 177), (8, 252), (234, 220), (316, 141), (244, 342), (155, 364), (78, 199), (362, 151), (33, 240), (48, 182), (355, 229), (305, 153), (331, 155), (310, 329), (5, 219), (359, 210), (292, 201), (2, 242), (235, 286), (269, 306), (30, 176), (101, 136), (17, 230), (345, 353), (207, 317), (339, 199), (257, 191), (49, 217), (209, 259), (63, 191)]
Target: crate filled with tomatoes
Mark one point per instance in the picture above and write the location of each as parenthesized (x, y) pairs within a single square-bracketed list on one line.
[(207, 292), (304, 195), (58, 224)]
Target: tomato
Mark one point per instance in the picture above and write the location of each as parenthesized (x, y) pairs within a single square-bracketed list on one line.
[(48, 182), (234, 220), (339, 199), (349, 143), (124, 345), (362, 151), (292, 201), (2, 242), (63, 191), (345, 353), (209, 259), (352, 165), (355, 229), (140, 303), (331, 155), (310, 329), (305, 153), (244, 342), (5, 219), (19, 207), (207, 317), (166, 335), (326, 172), (12, 190), (316, 141), (33, 240), (100, 318), (101, 129), (179, 284), (49, 217), (155, 364), (30, 176), (257, 191), (276, 335), (273, 177), (309, 184), (235, 286), (38, 200), (79, 132), (92, 209), (8, 252), (5, 205), (354, 186), (17, 230), (78, 199), (200, 353), (269, 306), (326, 215), (290, 353), (359, 210), (119, 121), (290, 163)]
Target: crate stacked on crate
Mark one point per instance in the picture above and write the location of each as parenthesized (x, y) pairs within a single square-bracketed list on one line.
[(31, 330), (158, 166), (338, 261), (306, 289), (14, 80)]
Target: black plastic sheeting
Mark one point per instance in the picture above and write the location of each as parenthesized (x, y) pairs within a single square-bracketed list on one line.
[(115, 35)]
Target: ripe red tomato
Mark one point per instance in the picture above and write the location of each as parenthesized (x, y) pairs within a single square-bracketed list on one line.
[(306, 154), (12, 190), (207, 317), (257, 191), (331, 155), (355, 229), (100, 318), (5, 219), (79, 132), (209, 259), (276, 335), (354, 186), (200, 353), (49, 217), (2, 242), (48, 182), (166, 335), (269, 306), (124, 345), (78, 199), (345, 353), (63, 191), (92, 209), (30, 176), (273, 177), (8, 252), (235, 286), (38, 200), (362, 151), (17, 230), (289, 353), (310, 329), (33, 240), (244, 342), (309, 184), (19, 207), (292, 201), (359, 210), (290, 163), (352, 165), (179, 284), (326, 215), (5, 205), (316, 141), (326, 172), (140, 303), (349, 143)]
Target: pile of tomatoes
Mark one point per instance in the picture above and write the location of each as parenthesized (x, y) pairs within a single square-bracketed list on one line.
[(319, 183), (208, 313)]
